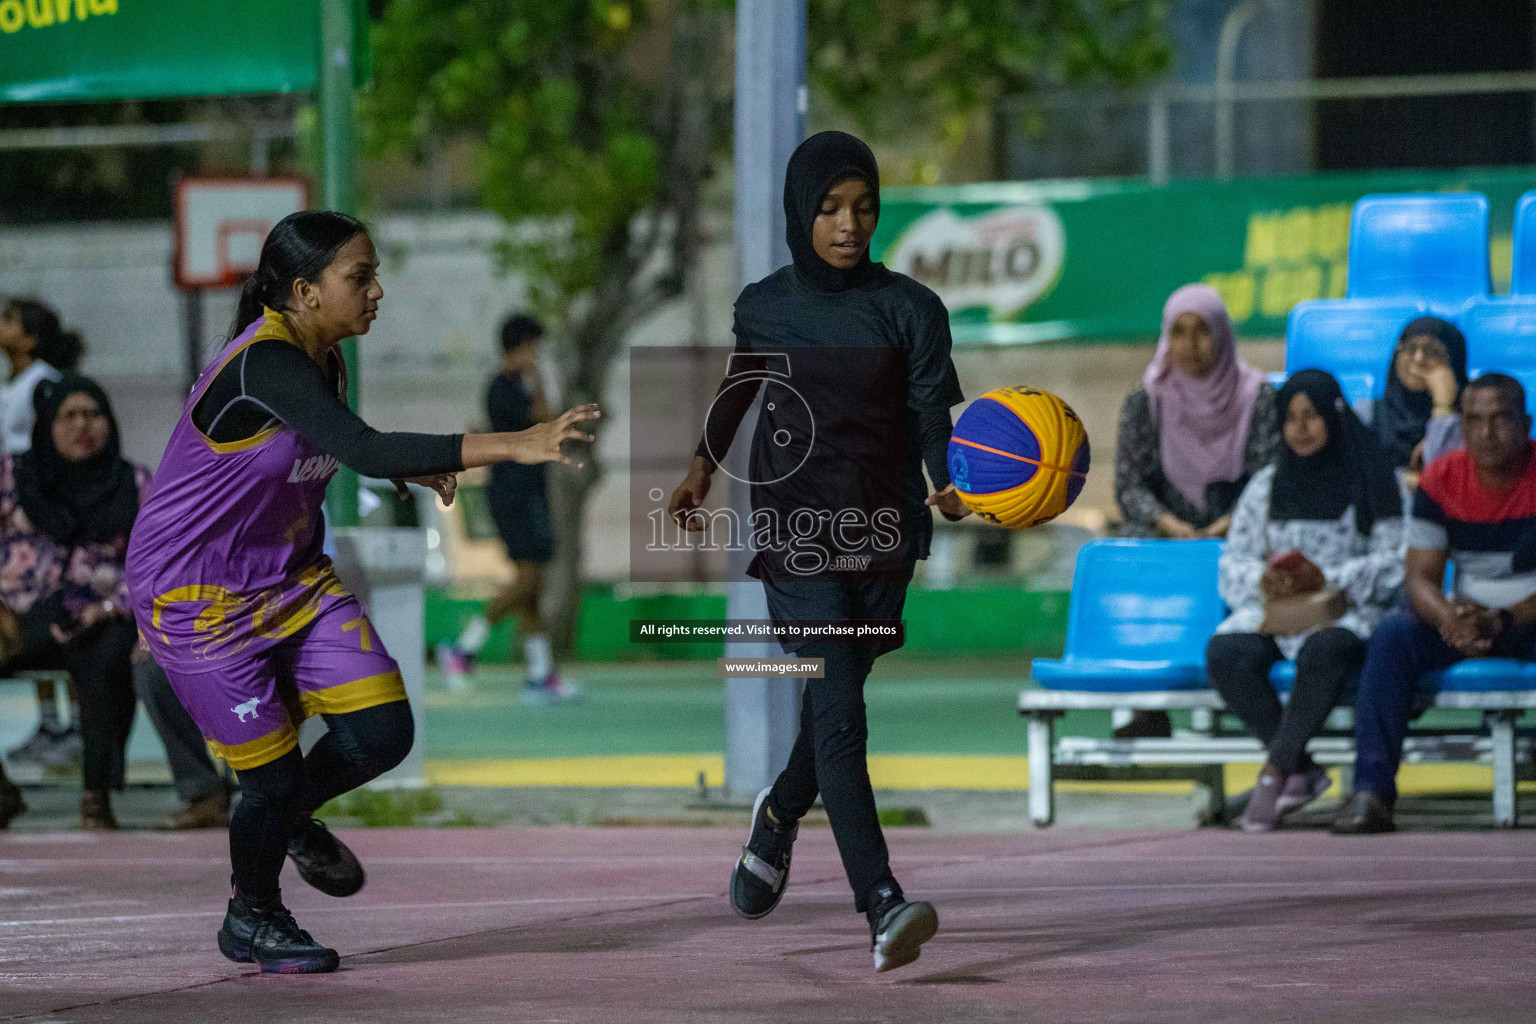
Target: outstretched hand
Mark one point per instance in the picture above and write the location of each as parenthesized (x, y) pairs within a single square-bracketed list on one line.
[(445, 484), (541, 442)]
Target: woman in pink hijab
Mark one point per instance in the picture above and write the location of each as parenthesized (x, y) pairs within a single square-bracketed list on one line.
[(1200, 425)]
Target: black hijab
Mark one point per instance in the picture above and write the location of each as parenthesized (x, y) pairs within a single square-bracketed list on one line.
[(1401, 415), (95, 499), (1351, 469), (818, 163)]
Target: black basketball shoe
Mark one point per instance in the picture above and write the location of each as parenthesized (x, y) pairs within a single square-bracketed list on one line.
[(758, 880), (269, 936), (898, 929), (324, 861)]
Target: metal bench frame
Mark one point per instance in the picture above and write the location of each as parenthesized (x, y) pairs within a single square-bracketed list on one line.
[(1500, 710)]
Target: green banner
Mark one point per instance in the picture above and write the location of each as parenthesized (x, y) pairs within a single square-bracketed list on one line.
[(87, 50), (1028, 262)]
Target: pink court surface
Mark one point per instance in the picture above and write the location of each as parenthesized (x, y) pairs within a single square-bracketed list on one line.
[(632, 925)]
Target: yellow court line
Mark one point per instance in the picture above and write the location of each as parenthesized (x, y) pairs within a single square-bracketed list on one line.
[(886, 771)]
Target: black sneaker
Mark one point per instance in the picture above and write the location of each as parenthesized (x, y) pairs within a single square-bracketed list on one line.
[(324, 861), (758, 880), (1365, 814), (270, 937), (898, 929)]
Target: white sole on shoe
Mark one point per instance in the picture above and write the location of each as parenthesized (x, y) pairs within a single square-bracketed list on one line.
[(902, 940), (1284, 806), (756, 806)]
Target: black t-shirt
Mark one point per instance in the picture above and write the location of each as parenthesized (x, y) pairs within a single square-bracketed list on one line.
[(509, 405), (857, 388)]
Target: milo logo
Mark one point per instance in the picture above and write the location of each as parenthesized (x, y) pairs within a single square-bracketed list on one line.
[(1003, 260)]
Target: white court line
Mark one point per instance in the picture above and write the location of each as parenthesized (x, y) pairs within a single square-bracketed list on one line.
[(675, 897), (33, 863)]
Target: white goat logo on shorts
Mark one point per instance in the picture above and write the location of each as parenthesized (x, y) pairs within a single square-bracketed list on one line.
[(248, 708)]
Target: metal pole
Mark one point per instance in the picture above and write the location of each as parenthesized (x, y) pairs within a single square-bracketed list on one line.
[(761, 714), (1157, 138), (1226, 61), (337, 192)]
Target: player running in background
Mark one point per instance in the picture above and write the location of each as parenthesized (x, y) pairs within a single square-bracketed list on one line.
[(518, 497), (234, 597)]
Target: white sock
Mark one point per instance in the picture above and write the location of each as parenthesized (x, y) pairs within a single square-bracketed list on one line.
[(474, 636), (536, 650), (48, 715)]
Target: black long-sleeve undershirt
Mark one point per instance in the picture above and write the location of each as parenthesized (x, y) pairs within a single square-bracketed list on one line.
[(934, 427), (272, 380)]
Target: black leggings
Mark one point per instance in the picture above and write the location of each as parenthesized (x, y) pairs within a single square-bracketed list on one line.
[(829, 757), (1238, 665), (100, 663), (358, 746)]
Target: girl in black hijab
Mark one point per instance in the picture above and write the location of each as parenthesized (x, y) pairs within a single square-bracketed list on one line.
[(859, 385), (1425, 379), (66, 508), (1321, 529)]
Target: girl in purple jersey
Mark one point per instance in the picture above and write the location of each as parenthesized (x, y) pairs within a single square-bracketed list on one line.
[(234, 597)]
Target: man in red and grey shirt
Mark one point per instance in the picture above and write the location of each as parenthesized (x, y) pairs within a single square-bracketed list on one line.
[(1477, 508)]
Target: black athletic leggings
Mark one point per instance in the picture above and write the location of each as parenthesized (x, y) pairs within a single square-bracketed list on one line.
[(100, 663), (829, 758), (358, 746), (1238, 665)]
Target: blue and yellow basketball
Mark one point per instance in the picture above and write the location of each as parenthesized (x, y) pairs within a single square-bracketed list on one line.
[(1018, 457)]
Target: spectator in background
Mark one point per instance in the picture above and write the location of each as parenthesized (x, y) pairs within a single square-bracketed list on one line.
[(1314, 559), (203, 792), (1200, 426), (518, 497), (66, 508), (1416, 419), (38, 348), (1474, 507)]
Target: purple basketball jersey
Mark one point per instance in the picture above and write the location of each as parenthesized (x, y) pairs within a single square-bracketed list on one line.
[(225, 557)]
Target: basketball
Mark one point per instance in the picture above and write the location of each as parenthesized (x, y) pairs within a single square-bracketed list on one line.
[(1018, 457)]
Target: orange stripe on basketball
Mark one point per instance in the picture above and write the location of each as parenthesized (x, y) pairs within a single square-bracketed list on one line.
[(1021, 458)]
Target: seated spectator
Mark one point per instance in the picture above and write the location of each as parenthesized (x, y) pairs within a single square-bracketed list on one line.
[(205, 798), (66, 508), (1474, 507), (1313, 560), (1416, 419), (1202, 423), (37, 347)]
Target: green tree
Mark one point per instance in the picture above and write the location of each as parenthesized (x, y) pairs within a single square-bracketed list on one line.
[(599, 121)]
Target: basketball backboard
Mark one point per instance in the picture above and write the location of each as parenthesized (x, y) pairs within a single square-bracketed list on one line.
[(221, 224)]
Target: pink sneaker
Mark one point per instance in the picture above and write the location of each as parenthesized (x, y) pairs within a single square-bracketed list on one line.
[(1301, 789), (550, 690), (455, 665)]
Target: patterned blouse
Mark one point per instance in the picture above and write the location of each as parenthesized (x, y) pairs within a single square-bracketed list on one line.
[(36, 567), (1144, 493), (1369, 570)]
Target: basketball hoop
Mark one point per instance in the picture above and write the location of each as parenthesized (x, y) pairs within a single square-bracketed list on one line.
[(221, 224)]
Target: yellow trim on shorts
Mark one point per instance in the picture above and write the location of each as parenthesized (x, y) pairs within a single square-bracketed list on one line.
[(367, 692), (257, 752)]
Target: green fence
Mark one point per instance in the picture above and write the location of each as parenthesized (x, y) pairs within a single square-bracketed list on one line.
[(1024, 262)]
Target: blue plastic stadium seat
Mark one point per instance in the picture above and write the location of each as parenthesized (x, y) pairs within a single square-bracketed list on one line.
[(1141, 614), (1484, 675), (1522, 271), (1501, 337), (1431, 247), (1352, 339)]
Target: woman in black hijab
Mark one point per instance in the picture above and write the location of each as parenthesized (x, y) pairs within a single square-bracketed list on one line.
[(854, 362), (1314, 559), (1425, 379), (66, 509)]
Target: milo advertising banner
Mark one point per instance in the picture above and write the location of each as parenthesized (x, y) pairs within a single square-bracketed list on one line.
[(1048, 261)]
